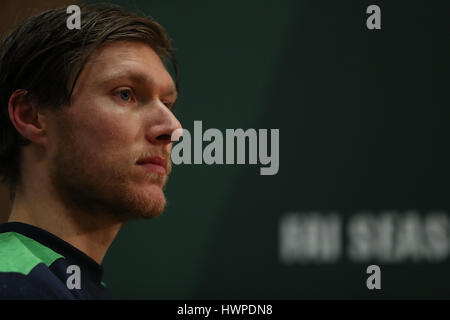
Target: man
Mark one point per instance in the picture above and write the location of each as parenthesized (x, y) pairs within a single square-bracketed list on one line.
[(86, 123)]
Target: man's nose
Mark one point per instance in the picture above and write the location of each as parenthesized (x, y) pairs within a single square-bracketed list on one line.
[(161, 125)]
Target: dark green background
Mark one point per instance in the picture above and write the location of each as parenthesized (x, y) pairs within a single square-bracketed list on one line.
[(363, 118)]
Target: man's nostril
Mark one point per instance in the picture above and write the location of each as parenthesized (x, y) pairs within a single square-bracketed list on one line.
[(163, 137)]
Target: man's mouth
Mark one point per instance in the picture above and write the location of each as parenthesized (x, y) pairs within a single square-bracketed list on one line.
[(155, 164)]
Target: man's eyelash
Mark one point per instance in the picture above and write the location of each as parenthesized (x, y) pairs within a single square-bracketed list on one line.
[(118, 94), (170, 105)]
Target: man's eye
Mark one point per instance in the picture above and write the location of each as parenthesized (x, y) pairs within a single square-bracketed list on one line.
[(125, 95), (170, 105)]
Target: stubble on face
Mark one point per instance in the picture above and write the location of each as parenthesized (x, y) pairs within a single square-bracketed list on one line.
[(108, 184), (94, 143)]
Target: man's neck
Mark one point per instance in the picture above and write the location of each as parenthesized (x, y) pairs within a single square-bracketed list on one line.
[(91, 234)]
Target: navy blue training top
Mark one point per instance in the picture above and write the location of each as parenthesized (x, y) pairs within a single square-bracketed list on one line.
[(35, 264)]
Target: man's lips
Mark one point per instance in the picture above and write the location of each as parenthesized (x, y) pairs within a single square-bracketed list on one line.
[(155, 164)]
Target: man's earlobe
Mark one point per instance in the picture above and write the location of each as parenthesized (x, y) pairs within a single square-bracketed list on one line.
[(25, 117)]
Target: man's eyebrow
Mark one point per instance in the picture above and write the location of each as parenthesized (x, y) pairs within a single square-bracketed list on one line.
[(137, 77), (172, 92)]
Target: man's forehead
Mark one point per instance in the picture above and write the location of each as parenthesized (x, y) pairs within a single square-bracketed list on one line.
[(135, 61)]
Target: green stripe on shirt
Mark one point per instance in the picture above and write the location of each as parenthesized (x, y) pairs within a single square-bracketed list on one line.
[(21, 254)]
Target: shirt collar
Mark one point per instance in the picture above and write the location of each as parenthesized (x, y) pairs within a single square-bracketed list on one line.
[(72, 254)]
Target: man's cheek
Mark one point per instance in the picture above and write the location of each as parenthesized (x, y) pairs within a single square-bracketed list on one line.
[(109, 136), (102, 124)]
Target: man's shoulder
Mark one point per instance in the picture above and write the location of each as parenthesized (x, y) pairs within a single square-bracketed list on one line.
[(21, 254), (24, 269), (40, 284)]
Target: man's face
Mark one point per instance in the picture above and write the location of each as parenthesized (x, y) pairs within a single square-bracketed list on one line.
[(110, 149)]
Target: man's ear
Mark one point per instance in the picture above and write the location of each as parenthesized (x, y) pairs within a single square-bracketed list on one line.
[(25, 116)]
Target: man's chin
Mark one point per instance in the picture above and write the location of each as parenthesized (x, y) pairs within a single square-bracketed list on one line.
[(124, 204), (147, 203)]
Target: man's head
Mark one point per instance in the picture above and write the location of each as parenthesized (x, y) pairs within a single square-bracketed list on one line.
[(91, 109)]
